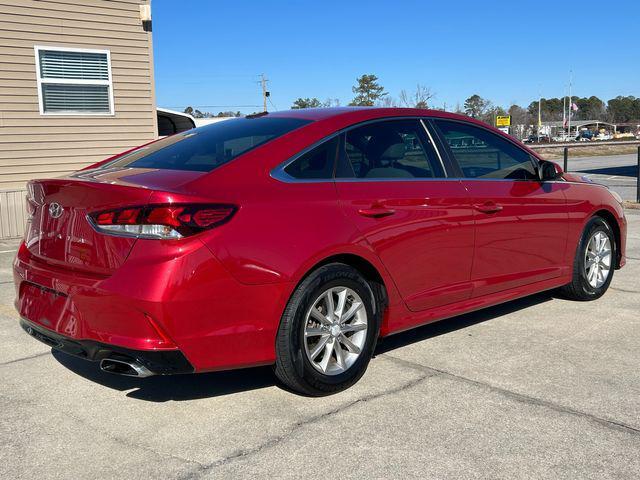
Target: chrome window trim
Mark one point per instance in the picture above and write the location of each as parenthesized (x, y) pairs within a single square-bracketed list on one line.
[(278, 173), (435, 147)]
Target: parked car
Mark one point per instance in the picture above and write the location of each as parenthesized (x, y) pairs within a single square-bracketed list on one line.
[(537, 139), (585, 135), (299, 238), (602, 136)]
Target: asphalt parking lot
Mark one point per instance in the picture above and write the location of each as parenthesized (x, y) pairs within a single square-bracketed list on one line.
[(537, 388), (618, 172)]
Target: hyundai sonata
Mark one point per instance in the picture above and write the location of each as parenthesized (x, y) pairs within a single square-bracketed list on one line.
[(297, 239)]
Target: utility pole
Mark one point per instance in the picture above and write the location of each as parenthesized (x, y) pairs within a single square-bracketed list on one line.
[(564, 111), (570, 105), (265, 92), (539, 114)]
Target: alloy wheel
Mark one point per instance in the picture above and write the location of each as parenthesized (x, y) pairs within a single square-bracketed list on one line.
[(335, 330), (597, 263)]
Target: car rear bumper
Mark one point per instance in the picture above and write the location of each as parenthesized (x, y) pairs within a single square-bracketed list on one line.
[(166, 297), (157, 362)]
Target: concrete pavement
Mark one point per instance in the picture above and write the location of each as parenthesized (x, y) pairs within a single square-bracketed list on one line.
[(618, 172), (536, 388)]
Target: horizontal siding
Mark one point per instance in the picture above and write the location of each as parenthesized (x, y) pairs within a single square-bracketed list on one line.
[(33, 114), (8, 19), (40, 121), (74, 148), (125, 89), (22, 56), (123, 106), (39, 169), (99, 8), (82, 130), (132, 33), (19, 181), (23, 39), (15, 141), (31, 157), (37, 146), (41, 10)]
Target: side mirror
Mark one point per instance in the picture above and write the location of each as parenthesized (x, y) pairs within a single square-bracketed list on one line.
[(549, 171)]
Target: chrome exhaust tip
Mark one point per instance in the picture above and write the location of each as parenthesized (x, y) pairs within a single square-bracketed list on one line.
[(125, 367)]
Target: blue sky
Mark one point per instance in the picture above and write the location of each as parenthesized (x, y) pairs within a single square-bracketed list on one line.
[(209, 53)]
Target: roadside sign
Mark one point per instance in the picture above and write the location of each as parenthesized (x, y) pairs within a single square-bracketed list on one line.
[(503, 121), (504, 130)]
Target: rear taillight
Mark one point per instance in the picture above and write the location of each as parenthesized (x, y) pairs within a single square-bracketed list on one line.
[(31, 208), (161, 221)]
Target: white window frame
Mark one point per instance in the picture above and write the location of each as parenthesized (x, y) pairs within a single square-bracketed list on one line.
[(67, 81)]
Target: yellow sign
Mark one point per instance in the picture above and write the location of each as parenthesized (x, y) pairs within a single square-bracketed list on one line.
[(503, 121)]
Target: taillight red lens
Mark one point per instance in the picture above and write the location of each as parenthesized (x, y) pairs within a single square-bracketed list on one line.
[(106, 218), (210, 216), (178, 220), (165, 216), (129, 216)]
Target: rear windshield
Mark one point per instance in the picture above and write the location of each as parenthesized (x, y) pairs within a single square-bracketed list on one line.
[(205, 148)]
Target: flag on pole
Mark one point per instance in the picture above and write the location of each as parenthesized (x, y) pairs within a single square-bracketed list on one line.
[(574, 107)]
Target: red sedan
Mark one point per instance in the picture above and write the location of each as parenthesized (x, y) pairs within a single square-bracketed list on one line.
[(299, 238)]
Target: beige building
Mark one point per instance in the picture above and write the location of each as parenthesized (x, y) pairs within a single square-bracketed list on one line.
[(76, 86)]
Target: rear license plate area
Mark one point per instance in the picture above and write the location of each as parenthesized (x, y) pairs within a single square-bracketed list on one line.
[(42, 305)]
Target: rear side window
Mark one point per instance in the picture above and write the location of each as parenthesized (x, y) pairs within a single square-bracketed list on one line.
[(482, 154), (206, 148), (390, 149), (317, 163)]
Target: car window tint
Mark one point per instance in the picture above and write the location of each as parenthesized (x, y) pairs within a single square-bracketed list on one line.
[(482, 154), (206, 148), (315, 164), (391, 149)]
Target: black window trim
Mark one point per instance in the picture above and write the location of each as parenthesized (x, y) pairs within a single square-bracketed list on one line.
[(279, 173), (302, 153), (121, 157), (456, 166)]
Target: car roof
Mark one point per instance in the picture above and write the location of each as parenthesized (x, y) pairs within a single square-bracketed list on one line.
[(373, 112), (340, 117)]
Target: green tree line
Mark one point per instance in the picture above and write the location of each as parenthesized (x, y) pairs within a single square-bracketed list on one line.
[(369, 92)]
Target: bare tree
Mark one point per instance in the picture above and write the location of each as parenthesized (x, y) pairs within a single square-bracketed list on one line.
[(419, 99), (331, 102), (388, 102)]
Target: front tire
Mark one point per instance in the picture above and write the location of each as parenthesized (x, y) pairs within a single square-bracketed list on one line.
[(328, 331), (594, 262)]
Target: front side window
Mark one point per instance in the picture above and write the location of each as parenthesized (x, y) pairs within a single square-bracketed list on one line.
[(389, 149), (482, 154), (205, 148), (74, 81), (317, 163)]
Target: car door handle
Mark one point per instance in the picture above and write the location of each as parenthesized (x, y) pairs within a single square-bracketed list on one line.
[(376, 212), (489, 207)]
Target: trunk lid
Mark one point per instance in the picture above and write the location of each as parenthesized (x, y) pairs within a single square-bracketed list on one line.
[(59, 232)]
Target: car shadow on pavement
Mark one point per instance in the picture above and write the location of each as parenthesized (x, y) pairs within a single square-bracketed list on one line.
[(172, 387), (459, 322), (208, 385)]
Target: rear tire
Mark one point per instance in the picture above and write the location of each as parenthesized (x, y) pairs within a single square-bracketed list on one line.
[(594, 262), (318, 352)]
